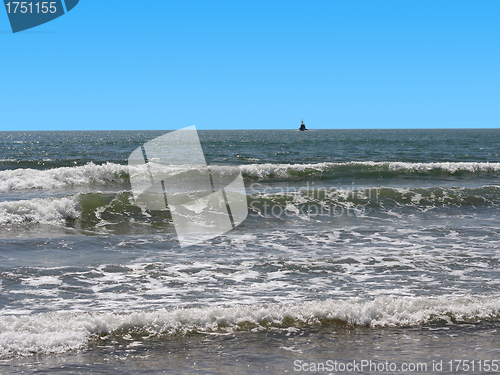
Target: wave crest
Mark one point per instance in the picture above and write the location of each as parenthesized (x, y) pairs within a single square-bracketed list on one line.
[(57, 178), (365, 168), (60, 332), (39, 211)]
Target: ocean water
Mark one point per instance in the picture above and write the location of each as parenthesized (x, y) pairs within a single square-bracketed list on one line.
[(372, 248)]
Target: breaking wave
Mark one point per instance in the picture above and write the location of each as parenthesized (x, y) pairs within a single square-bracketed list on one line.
[(39, 211), (367, 168), (60, 332), (89, 174), (58, 178), (91, 209), (381, 198)]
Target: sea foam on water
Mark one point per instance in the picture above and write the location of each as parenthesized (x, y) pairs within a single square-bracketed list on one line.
[(60, 332)]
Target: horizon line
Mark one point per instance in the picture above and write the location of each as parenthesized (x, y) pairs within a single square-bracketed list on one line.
[(309, 129)]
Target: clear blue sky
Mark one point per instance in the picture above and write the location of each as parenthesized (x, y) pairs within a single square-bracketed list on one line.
[(161, 64)]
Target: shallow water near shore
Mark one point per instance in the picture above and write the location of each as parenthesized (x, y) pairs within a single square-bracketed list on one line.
[(425, 349)]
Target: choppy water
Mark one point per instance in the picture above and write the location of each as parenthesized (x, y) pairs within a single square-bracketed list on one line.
[(359, 245)]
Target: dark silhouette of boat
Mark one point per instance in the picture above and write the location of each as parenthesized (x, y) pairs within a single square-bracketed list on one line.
[(302, 126)]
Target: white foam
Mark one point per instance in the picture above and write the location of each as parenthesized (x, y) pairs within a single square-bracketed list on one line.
[(43, 280), (284, 170), (39, 211), (57, 178), (451, 167), (281, 170), (59, 332)]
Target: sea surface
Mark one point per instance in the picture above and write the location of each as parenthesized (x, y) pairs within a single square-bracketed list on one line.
[(371, 250)]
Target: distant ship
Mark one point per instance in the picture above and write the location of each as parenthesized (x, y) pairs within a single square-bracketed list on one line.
[(302, 126)]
